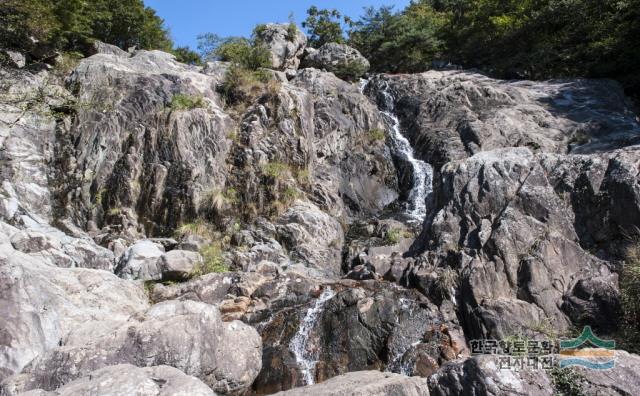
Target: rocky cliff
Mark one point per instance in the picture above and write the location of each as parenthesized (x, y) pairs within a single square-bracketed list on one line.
[(157, 237)]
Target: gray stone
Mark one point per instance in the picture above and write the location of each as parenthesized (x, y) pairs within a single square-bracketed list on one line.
[(141, 261), (365, 383), (286, 44), (344, 61), (312, 236), (98, 47), (453, 114), (179, 264), (43, 304), (187, 335), (126, 379), (15, 59)]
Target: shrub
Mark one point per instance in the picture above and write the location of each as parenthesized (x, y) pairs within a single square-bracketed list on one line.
[(351, 71), (187, 55), (292, 31), (446, 283), (67, 62), (216, 201), (290, 194), (392, 236), (566, 381), (376, 134), (198, 228), (241, 85), (629, 292), (212, 260), (276, 170), (242, 52), (186, 102)]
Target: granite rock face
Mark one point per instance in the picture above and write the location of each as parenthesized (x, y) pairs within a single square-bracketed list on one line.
[(286, 44), (156, 237), (189, 336), (362, 383), (344, 61), (125, 379), (451, 115)]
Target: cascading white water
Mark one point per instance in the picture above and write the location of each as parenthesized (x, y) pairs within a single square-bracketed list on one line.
[(422, 171), (299, 345)]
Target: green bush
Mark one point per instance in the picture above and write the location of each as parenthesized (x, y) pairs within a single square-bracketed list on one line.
[(324, 26), (186, 102), (212, 260), (566, 382), (507, 38), (241, 85), (377, 134), (246, 53), (187, 55), (629, 291), (276, 170), (392, 236), (198, 228)]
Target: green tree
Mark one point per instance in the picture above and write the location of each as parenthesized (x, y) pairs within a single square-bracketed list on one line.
[(69, 24), (26, 19), (399, 42), (250, 54), (187, 55), (325, 26)]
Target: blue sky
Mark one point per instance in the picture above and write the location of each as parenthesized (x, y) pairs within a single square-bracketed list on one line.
[(188, 18)]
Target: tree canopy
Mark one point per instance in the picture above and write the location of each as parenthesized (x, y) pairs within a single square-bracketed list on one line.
[(507, 38), (70, 24)]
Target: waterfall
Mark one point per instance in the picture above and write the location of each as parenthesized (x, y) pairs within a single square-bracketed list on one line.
[(305, 356), (416, 205)]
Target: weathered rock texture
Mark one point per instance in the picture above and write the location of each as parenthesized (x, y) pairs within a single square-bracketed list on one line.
[(340, 59), (125, 379), (187, 335), (361, 383), (450, 115), (135, 170), (286, 43)]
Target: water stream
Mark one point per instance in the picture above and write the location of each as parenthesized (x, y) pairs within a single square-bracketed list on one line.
[(416, 205), (305, 355)]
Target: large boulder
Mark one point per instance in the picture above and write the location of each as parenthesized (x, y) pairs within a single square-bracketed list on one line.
[(141, 261), (42, 305), (179, 265), (13, 58), (187, 335), (365, 383), (125, 379), (286, 44), (312, 236), (344, 61)]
